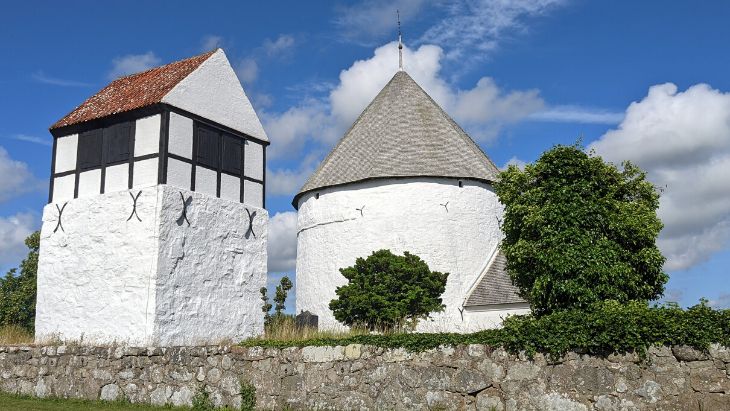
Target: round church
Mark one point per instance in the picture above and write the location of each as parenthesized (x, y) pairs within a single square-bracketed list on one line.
[(406, 177)]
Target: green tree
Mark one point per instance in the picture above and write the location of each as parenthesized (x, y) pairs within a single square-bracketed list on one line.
[(18, 290), (387, 291), (578, 230), (282, 290), (266, 305)]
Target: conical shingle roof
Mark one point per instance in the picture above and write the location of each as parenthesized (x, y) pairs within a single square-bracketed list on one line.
[(402, 133)]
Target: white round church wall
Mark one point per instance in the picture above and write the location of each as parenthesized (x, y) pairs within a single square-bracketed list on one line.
[(453, 229)]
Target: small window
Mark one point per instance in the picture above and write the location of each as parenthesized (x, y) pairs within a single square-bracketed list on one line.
[(89, 150), (461, 183), (232, 150), (116, 140), (208, 142), (316, 196)]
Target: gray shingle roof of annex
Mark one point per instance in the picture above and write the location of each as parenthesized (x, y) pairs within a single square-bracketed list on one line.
[(495, 286), (401, 133)]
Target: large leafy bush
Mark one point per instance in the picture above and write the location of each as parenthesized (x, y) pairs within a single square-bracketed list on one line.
[(579, 230), (18, 289), (387, 291)]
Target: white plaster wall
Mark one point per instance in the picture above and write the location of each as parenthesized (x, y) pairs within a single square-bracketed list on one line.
[(178, 173), (214, 92), (210, 273), (180, 138), (206, 181), (400, 215), (66, 153), (94, 275), (253, 193), (230, 188), (116, 178), (90, 183), (105, 278), (63, 188), (147, 135), (145, 173), (254, 161), (483, 317)]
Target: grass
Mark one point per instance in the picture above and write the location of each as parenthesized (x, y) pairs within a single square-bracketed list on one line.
[(13, 334), (284, 330), (17, 402)]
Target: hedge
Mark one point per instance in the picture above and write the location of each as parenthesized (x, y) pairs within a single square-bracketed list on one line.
[(605, 328)]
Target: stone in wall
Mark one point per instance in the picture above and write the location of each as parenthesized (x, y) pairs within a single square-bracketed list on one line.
[(472, 377)]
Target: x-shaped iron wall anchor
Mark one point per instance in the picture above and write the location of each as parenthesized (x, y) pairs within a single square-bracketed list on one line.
[(134, 206), (461, 311), (250, 231), (446, 206), (360, 210), (186, 204), (60, 213)]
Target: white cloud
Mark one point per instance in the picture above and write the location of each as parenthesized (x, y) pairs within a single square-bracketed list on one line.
[(483, 110), (282, 243), (132, 63), (682, 139), (16, 178), (371, 21), (474, 28), (721, 302), (13, 232), (33, 139), (514, 161), (211, 42), (247, 70), (41, 77), (281, 45), (577, 114)]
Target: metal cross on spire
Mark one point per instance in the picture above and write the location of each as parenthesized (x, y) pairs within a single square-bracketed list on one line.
[(400, 44)]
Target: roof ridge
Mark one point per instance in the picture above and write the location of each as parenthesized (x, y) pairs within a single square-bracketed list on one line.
[(134, 91), (207, 54)]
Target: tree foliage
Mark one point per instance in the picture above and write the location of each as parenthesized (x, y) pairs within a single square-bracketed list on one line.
[(18, 289), (280, 295), (387, 291), (579, 230)]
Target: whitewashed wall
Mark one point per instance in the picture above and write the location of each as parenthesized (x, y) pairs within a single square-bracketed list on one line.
[(105, 278), (214, 92), (400, 215)]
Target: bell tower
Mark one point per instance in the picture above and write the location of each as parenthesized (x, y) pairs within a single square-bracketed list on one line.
[(156, 227)]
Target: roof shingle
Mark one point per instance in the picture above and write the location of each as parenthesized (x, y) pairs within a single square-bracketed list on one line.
[(402, 133), (495, 286), (133, 91)]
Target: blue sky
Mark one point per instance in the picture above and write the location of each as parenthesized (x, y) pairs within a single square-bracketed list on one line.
[(646, 81)]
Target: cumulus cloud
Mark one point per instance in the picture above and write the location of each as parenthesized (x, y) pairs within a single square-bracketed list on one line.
[(483, 109), (247, 70), (682, 139), (472, 29), (277, 47), (211, 42), (282, 243), (132, 63), (371, 21), (721, 302), (514, 161), (13, 232), (17, 178)]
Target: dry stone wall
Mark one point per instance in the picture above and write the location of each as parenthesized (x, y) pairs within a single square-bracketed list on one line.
[(471, 377)]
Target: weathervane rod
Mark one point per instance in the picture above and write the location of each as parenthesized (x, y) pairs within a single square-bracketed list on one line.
[(400, 44)]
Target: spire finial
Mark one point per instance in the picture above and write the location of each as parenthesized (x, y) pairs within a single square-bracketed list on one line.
[(400, 44)]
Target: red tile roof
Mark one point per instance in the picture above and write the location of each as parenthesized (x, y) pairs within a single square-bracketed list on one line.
[(133, 91)]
